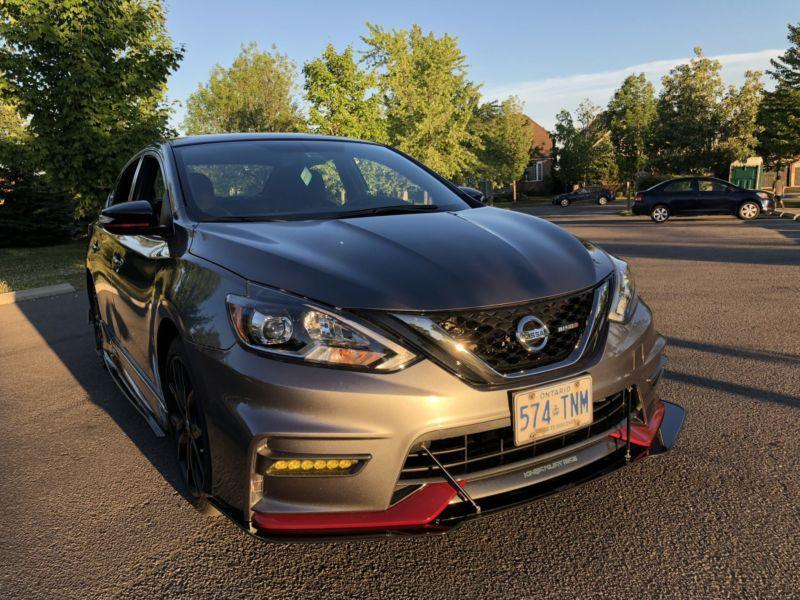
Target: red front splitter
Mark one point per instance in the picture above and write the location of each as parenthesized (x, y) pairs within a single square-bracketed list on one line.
[(417, 510), (642, 435)]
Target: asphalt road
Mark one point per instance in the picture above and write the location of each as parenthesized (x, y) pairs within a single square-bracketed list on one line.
[(90, 508)]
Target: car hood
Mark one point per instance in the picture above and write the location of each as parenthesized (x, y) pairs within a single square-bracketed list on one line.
[(421, 261)]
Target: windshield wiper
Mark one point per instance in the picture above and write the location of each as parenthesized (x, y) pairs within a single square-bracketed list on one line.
[(386, 210)]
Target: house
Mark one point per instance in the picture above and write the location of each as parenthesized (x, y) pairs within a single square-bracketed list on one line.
[(534, 180)]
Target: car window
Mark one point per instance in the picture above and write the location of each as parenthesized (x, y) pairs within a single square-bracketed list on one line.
[(327, 172), (383, 181), (257, 179), (122, 190), (232, 180), (150, 186), (721, 186), (683, 185), (712, 185), (704, 185)]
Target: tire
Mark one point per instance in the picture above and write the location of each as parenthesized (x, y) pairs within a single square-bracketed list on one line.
[(748, 211), (602, 200), (660, 213), (96, 322), (564, 202), (188, 429)]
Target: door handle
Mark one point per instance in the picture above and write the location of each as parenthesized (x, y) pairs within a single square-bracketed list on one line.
[(117, 261), (95, 246)]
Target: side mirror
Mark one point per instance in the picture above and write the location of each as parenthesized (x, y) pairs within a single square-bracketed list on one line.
[(473, 193), (130, 218)]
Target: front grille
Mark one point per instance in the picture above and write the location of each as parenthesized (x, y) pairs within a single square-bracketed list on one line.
[(490, 333), (473, 452)]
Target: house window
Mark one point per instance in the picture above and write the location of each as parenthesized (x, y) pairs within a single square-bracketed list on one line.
[(535, 172)]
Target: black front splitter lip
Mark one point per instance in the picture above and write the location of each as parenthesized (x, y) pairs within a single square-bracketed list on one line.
[(666, 438), (459, 513)]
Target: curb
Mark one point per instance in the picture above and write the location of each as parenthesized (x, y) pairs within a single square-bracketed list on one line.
[(788, 215), (32, 294)]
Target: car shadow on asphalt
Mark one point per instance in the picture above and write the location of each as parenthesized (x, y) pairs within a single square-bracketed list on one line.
[(733, 351), (736, 389), (63, 324)]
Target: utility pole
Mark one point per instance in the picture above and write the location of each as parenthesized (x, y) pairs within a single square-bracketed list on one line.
[(628, 195)]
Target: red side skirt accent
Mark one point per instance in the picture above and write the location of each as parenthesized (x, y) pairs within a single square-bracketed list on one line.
[(642, 435), (418, 509)]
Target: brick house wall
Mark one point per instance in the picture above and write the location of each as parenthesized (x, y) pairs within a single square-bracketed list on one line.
[(535, 179)]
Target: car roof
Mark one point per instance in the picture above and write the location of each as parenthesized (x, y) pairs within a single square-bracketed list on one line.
[(244, 137)]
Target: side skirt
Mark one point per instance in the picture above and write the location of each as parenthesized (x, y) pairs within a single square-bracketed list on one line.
[(131, 391)]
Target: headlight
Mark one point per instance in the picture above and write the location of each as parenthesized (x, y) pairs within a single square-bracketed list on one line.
[(763, 195), (291, 328), (623, 302)]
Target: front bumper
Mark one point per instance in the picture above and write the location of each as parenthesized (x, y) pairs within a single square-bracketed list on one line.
[(436, 508), (254, 404)]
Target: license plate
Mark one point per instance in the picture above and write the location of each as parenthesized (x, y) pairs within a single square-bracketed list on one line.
[(552, 410)]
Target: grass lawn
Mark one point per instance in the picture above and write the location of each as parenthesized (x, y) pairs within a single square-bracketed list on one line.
[(25, 268)]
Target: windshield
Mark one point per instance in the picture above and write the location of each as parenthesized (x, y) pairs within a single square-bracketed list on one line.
[(279, 179)]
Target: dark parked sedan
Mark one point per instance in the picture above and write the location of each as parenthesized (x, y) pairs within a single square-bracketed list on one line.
[(700, 196), (590, 193), (340, 341)]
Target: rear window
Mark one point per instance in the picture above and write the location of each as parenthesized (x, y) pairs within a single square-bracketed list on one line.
[(290, 178), (684, 185)]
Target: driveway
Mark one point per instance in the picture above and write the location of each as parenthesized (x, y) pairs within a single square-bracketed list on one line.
[(90, 507)]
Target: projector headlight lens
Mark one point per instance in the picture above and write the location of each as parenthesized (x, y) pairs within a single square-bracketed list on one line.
[(284, 326)]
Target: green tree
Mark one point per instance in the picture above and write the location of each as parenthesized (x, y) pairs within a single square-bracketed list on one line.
[(786, 68), (584, 152), (740, 127), (31, 212), (255, 94), (688, 117), (340, 97), (429, 100), (506, 138), (630, 117), (700, 127), (12, 125), (91, 75), (779, 114)]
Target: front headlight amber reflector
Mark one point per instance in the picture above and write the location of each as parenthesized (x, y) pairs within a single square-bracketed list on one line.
[(314, 466)]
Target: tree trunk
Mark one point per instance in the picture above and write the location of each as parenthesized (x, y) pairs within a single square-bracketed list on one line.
[(513, 191)]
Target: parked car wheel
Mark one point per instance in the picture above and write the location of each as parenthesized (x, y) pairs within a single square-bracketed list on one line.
[(94, 319), (659, 214), (602, 200), (188, 430), (748, 211), (564, 202)]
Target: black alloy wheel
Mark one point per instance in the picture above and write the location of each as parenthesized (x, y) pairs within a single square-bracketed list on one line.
[(188, 429)]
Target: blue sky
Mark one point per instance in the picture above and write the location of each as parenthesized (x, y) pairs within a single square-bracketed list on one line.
[(551, 54)]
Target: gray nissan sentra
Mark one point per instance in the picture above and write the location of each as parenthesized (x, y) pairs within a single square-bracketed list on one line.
[(341, 342)]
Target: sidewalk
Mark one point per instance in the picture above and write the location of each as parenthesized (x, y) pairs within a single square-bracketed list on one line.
[(791, 213)]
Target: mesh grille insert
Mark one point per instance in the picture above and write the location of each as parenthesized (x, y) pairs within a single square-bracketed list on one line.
[(490, 333)]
